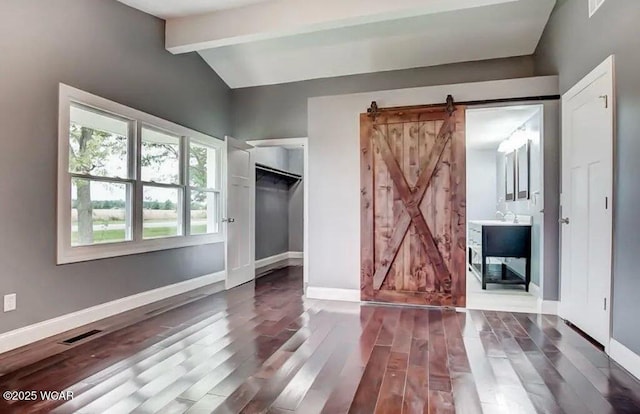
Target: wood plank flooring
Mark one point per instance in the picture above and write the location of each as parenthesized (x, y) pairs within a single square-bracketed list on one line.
[(263, 348)]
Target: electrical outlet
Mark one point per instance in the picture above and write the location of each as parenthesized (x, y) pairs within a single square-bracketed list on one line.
[(10, 302)]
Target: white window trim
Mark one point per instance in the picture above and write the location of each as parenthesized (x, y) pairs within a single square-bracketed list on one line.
[(594, 6), (68, 254)]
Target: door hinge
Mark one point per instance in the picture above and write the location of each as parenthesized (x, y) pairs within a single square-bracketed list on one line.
[(605, 303), (606, 100)]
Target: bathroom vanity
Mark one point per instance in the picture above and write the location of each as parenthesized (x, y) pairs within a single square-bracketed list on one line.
[(499, 240)]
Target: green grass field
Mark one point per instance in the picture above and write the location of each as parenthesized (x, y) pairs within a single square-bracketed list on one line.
[(111, 236)]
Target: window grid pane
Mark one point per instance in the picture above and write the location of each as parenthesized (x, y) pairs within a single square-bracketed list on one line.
[(162, 212), (204, 212), (98, 143), (100, 212), (159, 157), (203, 166)]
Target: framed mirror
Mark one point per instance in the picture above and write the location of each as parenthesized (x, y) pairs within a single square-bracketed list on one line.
[(522, 155), (510, 176)]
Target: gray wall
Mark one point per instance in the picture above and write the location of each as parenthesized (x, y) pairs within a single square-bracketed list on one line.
[(279, 213), (276, 157), (109, 49), (272, 218), (481, 183), (571, 46), (272, 205), (551, 200), (280, 111)]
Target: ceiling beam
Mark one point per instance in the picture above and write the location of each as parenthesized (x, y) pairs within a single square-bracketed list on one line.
[(279, 18)]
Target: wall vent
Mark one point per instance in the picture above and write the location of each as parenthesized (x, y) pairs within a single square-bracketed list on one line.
[(81, 337), (594, 5)]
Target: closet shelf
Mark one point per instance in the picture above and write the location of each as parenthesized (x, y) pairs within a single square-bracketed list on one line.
[(276, 174)]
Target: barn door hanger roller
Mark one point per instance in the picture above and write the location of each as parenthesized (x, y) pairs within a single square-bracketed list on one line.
[(373, 111)]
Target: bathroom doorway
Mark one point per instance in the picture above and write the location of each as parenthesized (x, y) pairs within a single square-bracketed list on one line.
[(506, 207)]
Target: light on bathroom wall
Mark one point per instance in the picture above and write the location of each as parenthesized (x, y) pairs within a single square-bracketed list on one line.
[(515, 140), (505, 146)]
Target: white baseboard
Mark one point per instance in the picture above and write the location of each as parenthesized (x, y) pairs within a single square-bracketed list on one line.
[(267, 261), (625, 357), (271, 260), (534, 290), (548, 307), (347, 295), (296, 255), (41, 330)]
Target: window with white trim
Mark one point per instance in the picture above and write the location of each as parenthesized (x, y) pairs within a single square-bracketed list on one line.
[(129, 182)]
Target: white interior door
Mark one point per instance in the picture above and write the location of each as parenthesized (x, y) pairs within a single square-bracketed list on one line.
[(587, 183), (240, 213)]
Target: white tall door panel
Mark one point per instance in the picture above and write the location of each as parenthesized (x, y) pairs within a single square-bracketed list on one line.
[(586, 207), (240, 213)]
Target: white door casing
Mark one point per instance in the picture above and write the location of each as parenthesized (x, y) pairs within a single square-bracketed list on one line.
[(586, 202), (240, 213), (294, 142)]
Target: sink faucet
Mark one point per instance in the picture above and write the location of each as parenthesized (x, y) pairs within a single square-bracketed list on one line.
[(511, 213)]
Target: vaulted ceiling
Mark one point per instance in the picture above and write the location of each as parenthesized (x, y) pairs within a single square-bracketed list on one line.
[(263, 42), (167, 9)]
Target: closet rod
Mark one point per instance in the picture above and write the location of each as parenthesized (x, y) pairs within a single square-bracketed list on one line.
[(278, 171)]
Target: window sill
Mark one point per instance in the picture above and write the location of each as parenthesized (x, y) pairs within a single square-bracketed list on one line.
[(68, 254)]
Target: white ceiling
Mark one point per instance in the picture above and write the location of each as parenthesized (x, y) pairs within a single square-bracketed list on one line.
[(264, 42), (167, 9), (511, 29), (486, 128)]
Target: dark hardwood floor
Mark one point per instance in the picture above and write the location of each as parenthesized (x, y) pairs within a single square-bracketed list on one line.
[(263, 348)]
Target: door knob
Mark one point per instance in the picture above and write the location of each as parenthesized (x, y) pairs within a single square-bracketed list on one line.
[(228, 220), (564, 220)]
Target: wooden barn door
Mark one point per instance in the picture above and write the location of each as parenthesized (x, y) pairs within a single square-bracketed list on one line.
[(413, 206)]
